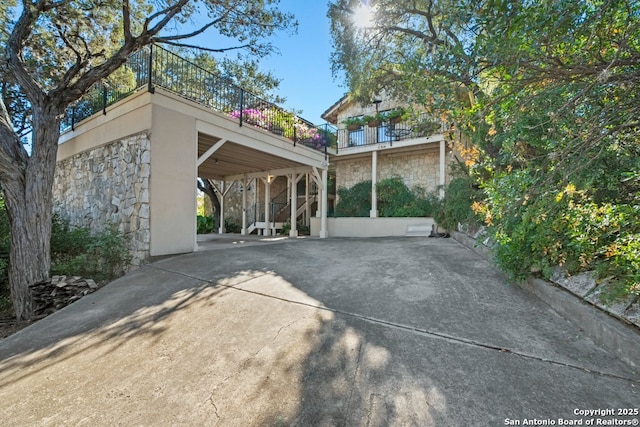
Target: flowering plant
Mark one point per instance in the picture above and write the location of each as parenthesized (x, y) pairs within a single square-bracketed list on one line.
[(252, 116)]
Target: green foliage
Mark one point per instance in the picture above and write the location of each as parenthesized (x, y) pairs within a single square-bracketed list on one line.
[(395, 199), (571, 230), (286, 228), (205, 224), (354, 201), (230, 226), (547, 93), (354, 121), (456, 205), (75, 251)]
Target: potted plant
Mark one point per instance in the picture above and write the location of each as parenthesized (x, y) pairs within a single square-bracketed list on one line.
[(373, 121), (395, 116), (353, 123)]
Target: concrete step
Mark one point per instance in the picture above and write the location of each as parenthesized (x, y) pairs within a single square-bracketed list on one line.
[(418, 230)]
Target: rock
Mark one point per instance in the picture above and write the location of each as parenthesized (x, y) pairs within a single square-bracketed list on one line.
[(58, 292)]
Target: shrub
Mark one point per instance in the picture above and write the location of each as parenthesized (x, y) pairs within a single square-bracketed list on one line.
[(354, 201), (205, 224), (455, 207), (569, 229), (75, 251), (230, 226), (395, 199)]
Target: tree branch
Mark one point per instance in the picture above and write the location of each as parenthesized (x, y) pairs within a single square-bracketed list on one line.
[(126, 21), (167, 41)]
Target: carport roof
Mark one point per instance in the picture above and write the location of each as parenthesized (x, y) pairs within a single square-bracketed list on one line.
[(235, 159)]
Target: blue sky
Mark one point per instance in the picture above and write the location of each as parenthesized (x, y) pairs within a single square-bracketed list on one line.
[(301, 61)]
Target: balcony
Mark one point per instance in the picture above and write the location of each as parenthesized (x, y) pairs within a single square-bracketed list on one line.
[(422, 126), (155, 67)]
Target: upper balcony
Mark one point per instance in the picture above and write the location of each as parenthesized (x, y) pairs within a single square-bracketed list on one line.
[(157, 67), (388, 132)]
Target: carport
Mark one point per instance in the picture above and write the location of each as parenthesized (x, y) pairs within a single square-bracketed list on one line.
[(171, 142), (243, 154)]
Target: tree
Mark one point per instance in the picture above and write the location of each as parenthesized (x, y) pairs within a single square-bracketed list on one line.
[(54, 52), (547, 91)]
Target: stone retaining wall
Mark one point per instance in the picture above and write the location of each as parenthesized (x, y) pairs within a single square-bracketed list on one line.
[(109, 185)]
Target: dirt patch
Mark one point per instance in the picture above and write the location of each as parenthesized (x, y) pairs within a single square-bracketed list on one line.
[(9, 325)]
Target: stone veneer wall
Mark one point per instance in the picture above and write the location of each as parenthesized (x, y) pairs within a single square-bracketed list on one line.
[(415, 168), (109, 185), (233, 201)]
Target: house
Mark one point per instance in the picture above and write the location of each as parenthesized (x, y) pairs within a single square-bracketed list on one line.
[(388, 141)]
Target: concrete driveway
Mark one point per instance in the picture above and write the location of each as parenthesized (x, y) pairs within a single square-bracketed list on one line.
[(309, 332)]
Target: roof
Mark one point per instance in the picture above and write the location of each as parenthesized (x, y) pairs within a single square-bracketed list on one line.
[(331, 115)]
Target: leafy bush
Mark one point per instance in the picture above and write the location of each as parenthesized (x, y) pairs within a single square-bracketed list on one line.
[(568, 229), (286, 228), (455, 207), (395, 199), (230, 226), (205, 224), (75, 251), (354, 201)]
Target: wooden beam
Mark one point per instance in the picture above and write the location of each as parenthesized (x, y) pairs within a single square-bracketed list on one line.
[(215, 147)]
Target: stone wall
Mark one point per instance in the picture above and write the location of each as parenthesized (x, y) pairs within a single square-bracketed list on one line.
[(109, 185), (417, 168)]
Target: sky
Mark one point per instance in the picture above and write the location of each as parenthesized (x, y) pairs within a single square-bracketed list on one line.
[(302, 60)]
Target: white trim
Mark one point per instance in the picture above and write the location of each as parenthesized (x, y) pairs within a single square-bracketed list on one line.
[(215, 147)]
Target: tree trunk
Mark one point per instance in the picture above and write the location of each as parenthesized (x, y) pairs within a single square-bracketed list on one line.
[(208, 190), (29, 205)]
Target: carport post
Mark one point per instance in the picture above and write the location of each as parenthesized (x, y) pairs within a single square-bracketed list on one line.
[(222, 193), (293, 231), (324, 233), (244, 207), (306, 201), (267, 196)]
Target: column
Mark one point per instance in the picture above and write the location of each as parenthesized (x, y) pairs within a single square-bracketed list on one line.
[(293, 232), (374, 177), (267, 203), (324, 232), (244, 207), (221, 194), (307, 217), (442, 168)]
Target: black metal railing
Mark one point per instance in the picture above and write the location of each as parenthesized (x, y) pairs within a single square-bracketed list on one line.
[(388, 132), (154, 66)]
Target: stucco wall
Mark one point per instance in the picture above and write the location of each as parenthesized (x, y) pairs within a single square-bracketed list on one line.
[(370, 227), (109, 185)]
